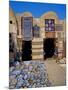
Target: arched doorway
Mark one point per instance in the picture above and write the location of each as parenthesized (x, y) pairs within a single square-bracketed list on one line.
[(49, 47)]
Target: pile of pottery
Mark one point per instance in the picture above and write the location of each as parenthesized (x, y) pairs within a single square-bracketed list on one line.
[(28, 74)]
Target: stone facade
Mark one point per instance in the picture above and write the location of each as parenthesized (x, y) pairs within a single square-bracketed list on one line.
[(12, 34), (37, 42)]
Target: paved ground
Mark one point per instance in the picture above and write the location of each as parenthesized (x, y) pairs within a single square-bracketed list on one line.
[(56, 72)]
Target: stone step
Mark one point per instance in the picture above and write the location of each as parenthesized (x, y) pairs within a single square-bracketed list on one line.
[(37, 53), (37, 50), (37, 46), (37, 43), (37, 40), (37, 57)]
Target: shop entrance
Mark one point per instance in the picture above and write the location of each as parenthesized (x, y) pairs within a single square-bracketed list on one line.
[(26, 51), (49, 47)]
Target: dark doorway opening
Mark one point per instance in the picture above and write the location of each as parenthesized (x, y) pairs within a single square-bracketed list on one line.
[(49, 47), (11, 43), (26, 51)]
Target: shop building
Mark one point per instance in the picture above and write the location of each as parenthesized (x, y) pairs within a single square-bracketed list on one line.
[(37, 38)]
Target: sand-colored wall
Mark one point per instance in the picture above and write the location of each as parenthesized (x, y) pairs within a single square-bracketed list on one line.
[(13, 27)]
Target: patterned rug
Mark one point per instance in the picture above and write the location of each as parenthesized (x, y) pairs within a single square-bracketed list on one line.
[(28, 74)]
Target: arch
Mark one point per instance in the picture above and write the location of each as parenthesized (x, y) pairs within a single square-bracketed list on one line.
[(26, 14), (50, 15)]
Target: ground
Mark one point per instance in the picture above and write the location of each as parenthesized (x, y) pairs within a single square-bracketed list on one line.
[(56, 72), (41, 73)]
